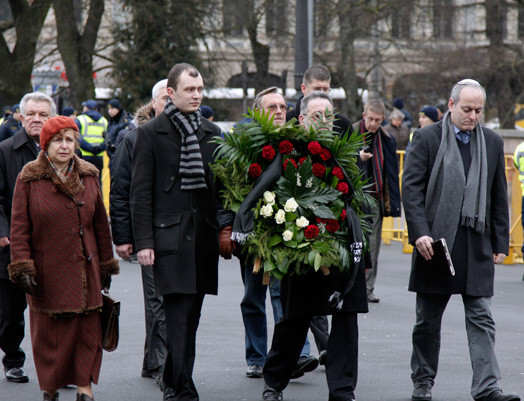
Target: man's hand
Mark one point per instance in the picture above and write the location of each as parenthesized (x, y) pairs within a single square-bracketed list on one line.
[(124, 250), (424, 247), (364, 156), (4, 241), (498, 258), (224, 238), (146, 257)]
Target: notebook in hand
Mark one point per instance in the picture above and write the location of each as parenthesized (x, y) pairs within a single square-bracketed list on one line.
[(440, 264)]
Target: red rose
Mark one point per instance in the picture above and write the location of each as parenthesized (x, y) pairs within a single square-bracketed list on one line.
[(289, 161), (321, 220), (319, 170), (337, 172), (285, 147), (314, 147), (268, 152), (343, 215), (325, 154), (311, 231), (343, 187), (255, 170), (302, 160), (332, 226)]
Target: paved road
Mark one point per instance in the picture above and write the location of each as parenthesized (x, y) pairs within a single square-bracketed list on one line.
[(384, 344)]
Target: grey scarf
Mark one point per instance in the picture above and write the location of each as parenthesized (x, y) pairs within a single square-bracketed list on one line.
[(450, 198)]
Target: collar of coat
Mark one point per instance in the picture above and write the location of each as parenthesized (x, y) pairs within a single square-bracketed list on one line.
[(41, 169)]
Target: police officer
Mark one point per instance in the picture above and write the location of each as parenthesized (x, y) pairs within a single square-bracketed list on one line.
[(12, 124)]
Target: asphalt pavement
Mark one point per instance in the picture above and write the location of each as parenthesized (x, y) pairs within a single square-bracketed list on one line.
[(385, 344)]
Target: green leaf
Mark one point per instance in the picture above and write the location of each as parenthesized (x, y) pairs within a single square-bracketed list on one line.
[(311, 257), (321, 247), (302, 245), (290, 217), (269, 265), (291, 244), (322, 211), (318, 261), (274, 240)]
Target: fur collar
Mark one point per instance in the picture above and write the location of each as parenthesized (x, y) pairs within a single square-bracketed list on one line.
[(41, 169)]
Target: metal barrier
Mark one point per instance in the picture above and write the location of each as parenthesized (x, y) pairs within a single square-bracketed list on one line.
[(395, 229)]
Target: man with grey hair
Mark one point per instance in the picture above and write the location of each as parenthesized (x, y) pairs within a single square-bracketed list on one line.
[(15, 152), (454, 187), (155, 348)]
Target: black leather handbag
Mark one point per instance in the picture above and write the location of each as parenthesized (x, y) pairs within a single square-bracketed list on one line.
[(110, 329)]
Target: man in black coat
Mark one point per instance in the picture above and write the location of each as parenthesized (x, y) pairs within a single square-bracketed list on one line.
[(15, 152), (454, 187), (176, 217), (306, 296), (155, 348), (318, 78), (378, 160)]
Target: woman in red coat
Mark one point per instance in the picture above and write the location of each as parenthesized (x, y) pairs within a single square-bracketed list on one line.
[(61, 255)]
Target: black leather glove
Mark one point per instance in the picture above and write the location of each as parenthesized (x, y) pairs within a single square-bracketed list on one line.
[(105, 282), (26, 283)]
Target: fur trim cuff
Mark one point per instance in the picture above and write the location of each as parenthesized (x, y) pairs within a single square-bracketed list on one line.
[(21, 268), (110, 267)]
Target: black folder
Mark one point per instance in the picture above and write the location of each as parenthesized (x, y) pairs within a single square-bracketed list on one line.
[(440, 264)]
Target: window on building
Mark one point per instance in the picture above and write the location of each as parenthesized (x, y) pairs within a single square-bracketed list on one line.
[(443, 13), (233, 15), (400, 20), (276, 12)]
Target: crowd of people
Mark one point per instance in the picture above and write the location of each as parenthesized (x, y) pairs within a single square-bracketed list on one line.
[(166, 208)]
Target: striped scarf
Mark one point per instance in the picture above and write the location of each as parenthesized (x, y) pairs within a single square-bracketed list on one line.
[(63, 173), (377, 161), (191, 169)]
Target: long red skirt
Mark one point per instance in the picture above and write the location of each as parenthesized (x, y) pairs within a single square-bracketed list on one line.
[(66, 350)]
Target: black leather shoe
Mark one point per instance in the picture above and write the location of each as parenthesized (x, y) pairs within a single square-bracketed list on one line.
[(47, 397), (150, 373), (16, 375), (83, 397), (254, 371), (270, 394), (373, 299), (322, 358), (421, 392), (169, 394), (498, 396), (304, 364)]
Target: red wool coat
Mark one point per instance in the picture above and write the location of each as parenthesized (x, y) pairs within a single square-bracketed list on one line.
[(60, 235)]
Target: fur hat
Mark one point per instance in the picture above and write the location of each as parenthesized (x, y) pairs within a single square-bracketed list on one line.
[(53, 126)]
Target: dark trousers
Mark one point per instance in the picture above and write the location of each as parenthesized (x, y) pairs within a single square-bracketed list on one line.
[(98, 162), (155, 347), (12, 306), (342, 356), (320, 328), (182, 318)]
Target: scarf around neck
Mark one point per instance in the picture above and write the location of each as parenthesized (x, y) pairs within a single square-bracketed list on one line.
[(191, 170), (63, 173), (451, 199)]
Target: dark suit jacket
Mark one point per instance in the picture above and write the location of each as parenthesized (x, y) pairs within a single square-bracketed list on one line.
[(472, 253), (181, 226), (15, 152)]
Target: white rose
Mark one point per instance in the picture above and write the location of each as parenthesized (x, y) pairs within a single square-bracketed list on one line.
[(280, 217), (302, 222), (291, 205), (269, 197), (266, 210), (287, 235)]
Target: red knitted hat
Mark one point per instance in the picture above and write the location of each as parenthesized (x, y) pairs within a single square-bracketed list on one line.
[(53, 126)]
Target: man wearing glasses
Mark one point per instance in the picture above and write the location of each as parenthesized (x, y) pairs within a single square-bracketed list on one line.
[(318, 78)]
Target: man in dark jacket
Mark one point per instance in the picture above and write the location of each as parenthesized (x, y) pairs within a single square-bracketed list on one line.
[(176, 217), (305, 296), (378, 159), (155, 349), (15, 152), (454, 187), (318, 78), (12, 125), (119, 120)]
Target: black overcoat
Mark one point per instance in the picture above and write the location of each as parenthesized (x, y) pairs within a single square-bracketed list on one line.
[(181, 226), (472, 253), (15, 152)]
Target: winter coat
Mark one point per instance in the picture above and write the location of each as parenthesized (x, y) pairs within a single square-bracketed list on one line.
[(9, 128), (472, 253), (120, 122), (181, 226), (60, 236), (15, 152), (400, 133)]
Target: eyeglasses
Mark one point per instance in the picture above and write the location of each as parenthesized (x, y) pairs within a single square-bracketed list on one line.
[(275, 107), (325, 89)]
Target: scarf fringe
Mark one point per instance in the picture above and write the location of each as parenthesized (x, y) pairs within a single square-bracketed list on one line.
[(473, 223)]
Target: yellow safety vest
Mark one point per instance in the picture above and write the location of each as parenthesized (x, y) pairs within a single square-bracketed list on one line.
[(92, 132), (2, 120), (518, 159)]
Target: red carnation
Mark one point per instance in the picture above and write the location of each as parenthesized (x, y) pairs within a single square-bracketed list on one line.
[(292, 162), (314, 147), (285, 147), (255, 170), (343, 215), (268, 152), (332, 226), (325, 154), (302, 160), (337, 172), (311, 231), (343, 187), (319, 170)]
